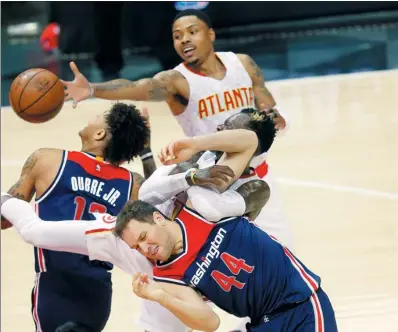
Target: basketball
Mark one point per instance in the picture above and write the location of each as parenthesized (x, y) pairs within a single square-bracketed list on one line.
[(36, 95)]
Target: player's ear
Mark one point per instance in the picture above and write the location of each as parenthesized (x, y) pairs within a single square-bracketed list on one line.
[(159, 219), (100, 134), (212, 35)]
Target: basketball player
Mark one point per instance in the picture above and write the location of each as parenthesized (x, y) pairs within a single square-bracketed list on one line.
[(166, 182), (201, 93), (74, 185), (233, 263), (96, 240)]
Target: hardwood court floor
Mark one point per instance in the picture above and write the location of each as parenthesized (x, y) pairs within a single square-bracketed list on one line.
[(337, 171)]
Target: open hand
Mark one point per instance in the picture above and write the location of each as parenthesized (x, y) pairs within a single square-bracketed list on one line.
[(79, 89), (213, 176), (276, 117), (178, 151)]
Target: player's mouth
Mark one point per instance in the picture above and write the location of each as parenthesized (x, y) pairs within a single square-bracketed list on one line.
[(188, 51), (153, 250)]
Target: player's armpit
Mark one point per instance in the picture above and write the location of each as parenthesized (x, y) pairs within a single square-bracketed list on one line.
[(189, 307), (263, 98), (138, 180)]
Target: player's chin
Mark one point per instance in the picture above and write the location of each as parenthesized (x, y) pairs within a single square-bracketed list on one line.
[(192, 60)]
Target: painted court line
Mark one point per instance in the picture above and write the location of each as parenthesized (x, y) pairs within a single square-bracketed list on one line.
[(328, 186)]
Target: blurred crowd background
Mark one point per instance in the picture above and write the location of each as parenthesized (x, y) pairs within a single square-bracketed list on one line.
[(133, 39)]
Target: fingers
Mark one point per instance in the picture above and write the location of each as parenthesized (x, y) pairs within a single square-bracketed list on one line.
[(73, 67), (145, 113), (225, 170), (64, 83)]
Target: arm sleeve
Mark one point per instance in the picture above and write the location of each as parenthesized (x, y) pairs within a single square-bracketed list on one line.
[(215, 206), (105, 246), (161, 186), (66, 236)]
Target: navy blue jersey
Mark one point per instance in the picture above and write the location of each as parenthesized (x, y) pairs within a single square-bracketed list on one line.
[(83, 185), (237, 266)]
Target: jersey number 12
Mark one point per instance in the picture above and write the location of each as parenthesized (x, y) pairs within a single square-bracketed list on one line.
[(235, 265), (81, 205)]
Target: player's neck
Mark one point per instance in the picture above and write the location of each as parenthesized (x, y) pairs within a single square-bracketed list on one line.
[(97, 151), (176, 232), (211, 67)]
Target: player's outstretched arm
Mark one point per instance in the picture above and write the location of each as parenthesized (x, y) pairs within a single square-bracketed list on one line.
[(66, 236), (182, 301), (159, 88)]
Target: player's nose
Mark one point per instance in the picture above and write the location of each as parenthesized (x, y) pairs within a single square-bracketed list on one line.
[(185, 39)]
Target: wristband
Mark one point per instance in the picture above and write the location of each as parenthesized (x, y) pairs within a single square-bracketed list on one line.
[(146, 156), (91, 90), (193, 172)]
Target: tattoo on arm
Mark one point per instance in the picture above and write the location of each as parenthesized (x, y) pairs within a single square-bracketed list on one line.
[(138, 179), (26, 170), (257, 76), (114, 85), (162, 85)]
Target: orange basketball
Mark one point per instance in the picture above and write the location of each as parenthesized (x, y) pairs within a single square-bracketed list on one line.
[(36, 95)]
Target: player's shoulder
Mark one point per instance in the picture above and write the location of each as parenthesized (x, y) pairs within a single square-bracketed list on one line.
[(45, 156), (44, 152), (245, 58), (102, 222), (171, 75)]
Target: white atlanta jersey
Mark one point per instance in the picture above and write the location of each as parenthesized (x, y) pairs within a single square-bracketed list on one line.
[(103, 245), (212, 101)]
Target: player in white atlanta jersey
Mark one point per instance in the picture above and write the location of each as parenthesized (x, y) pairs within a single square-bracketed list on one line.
[(96, 239), (202, 92)]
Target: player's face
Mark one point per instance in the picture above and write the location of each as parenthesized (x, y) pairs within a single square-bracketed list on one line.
[(93, 127), (151, 240), (193, 40), (236, 121)]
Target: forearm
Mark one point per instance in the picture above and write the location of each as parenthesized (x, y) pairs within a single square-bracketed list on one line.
[(148, 163), (215, 206), (194, 316), (66, 236), (229, 141), (141, 90), (161, 186)]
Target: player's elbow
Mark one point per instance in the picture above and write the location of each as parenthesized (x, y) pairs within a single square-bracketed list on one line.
[(29, 234), (213, 322), (252, 140), (208, 323)]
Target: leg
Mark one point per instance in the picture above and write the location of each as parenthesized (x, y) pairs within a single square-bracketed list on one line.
[(59, 298), (272, 218), (313, 315)]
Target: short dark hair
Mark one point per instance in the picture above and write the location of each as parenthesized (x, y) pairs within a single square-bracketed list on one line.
[(137, 210), (194, 12), (129, 133), (263, 126)]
